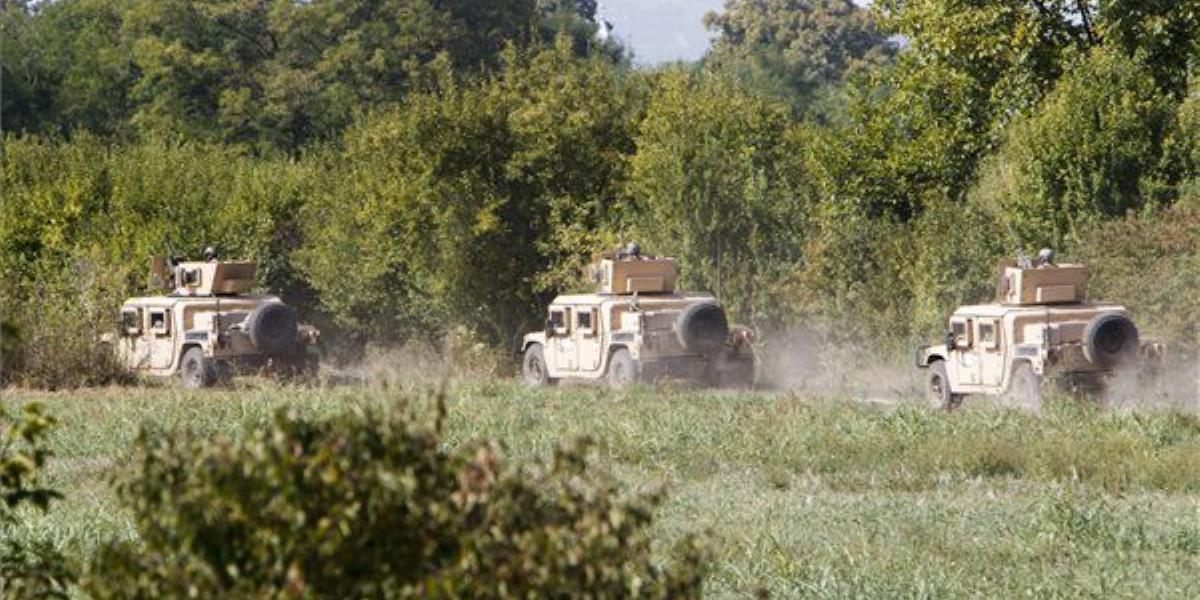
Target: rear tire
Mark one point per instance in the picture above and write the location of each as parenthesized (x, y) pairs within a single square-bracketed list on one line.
[(197, 371), (937, 388), (1025, 389), (533, 367), (622, 369)]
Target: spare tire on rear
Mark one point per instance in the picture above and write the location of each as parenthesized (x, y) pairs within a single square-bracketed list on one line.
[(272, 328), (1110, 339), (702, 328)]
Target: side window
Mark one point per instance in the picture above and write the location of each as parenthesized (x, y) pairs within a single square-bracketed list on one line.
[(585, 320), (558, 320), (159, 323), (961, 333), (987, 334), (131, 321)]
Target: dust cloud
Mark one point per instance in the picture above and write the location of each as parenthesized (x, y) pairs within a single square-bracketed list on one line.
[(805, 361), (1172, 385)]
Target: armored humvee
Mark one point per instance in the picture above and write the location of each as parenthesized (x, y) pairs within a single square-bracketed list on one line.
[(1041, 328), (209, 325), (637, 327)]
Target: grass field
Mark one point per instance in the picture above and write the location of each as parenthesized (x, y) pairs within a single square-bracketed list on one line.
[(801, 497)]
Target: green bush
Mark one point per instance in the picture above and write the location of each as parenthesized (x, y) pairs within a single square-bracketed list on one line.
[(27, 570), (369, 504), (1151, 264)]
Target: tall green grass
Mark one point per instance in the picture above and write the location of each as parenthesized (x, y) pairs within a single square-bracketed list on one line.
[(800, 497)]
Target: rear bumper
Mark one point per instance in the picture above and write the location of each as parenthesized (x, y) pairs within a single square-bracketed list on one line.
[(695, 368), (726, 370)]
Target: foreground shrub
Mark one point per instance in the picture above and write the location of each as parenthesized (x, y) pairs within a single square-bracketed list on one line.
[(26, 570), (371, 505)]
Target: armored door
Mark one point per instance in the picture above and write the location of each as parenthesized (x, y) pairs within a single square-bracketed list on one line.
[(963, 365), (989, 350), (133, 346), (562, 345), (587, 338), (160, 343)]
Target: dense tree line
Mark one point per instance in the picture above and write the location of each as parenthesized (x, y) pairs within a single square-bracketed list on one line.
[(408, 167)]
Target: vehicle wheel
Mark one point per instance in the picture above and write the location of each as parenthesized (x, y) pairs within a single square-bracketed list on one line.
[(197, 371), (938, 388), (622, 370), (1025, 389), (533, 367)]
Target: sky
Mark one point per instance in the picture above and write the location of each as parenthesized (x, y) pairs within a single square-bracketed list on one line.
[(660, 30)]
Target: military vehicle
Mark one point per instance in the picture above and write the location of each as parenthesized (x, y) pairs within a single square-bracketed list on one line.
[(1041, 328), (637, 327), (209, 325)]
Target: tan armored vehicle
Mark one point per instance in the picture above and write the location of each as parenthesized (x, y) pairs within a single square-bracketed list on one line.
[(209, 325), (637, 327), (1041, 328)]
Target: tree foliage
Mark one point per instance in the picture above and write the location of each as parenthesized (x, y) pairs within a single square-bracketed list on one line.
[(794, 47), (712, 184), (470, 204), (1106, 141), (255, 74)]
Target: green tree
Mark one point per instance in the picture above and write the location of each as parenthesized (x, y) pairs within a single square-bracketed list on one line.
[(794, 47), (287, 73), (713, 185), (471, 204), (1106, 141), (65, 67)]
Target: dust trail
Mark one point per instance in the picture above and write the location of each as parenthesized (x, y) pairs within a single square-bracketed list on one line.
[(1173, 385), (804, 361), (422, 364)]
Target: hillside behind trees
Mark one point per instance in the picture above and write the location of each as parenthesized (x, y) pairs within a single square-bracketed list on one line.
[(406, 169)]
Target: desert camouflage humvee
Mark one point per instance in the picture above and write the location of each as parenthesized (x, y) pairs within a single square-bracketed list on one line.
[(209, 325), (637, 327), (1041, 328)]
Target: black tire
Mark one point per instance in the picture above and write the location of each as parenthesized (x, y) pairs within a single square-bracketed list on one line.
[(1024, 389), (702, 328), (1110, 339), (937, 388), (533, 367), (272, 328), (622, 369), (196, 371)]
